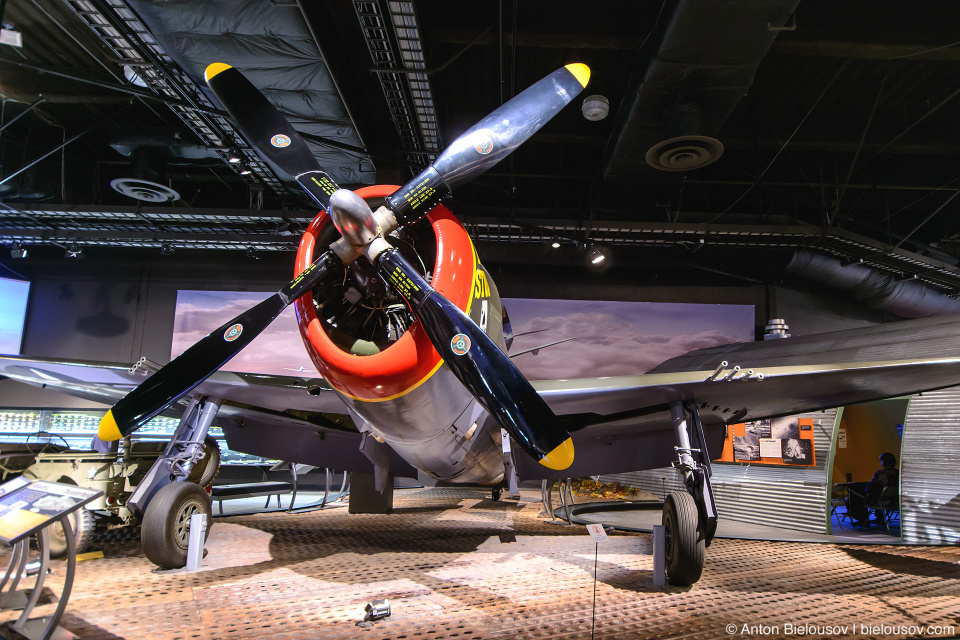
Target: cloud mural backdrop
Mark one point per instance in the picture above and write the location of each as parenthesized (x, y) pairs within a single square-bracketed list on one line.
[(278, 350), (618, 338), (611, 338)]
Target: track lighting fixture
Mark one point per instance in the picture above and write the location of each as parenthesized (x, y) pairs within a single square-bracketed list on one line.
[(597, 255)]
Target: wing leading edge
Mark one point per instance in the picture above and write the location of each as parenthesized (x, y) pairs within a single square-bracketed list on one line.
[(251, 417)]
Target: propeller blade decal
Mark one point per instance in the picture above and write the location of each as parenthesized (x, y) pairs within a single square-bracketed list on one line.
[(269, 131), (481, 366), (488, 142), (197, 363)]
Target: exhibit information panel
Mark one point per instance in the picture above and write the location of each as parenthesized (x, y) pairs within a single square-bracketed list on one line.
[(786, 441), (26, 507)]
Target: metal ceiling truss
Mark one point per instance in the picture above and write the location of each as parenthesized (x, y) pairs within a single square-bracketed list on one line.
[(189, 228), (396, 50), (847, 247), (175, 228), (123, 33)]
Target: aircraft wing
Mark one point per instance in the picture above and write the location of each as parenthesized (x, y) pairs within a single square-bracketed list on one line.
[(108, 382), (253, 415), (624, 420)]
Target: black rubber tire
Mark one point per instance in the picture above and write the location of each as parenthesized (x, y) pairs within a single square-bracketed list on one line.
[(685, 539), (82, 522), (165, 530), (208, 466)]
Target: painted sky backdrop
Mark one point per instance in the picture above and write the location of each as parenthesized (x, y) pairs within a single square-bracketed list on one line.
[(618, 338), (278, 350), (612, 338), (13, 309)]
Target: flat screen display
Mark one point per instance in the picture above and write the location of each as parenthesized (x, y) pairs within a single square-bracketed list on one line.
[(13, 312)]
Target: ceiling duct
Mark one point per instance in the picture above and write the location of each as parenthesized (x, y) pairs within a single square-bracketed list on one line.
[(692, 71), (884, 291)]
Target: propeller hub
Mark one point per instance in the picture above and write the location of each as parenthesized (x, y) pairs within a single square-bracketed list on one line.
[(353, 218)]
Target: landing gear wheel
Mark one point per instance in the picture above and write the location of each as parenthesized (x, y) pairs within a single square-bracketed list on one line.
[(82, 522), (165, 530), (496, 492), (208, 466), (685, 539)]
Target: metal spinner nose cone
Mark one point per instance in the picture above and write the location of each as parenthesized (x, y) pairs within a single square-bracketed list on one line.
[(353, 217)]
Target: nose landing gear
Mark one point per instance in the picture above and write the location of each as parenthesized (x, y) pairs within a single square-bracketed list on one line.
[(689, 517)]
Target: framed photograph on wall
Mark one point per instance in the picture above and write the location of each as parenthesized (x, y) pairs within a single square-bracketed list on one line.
[(785, 428), (746, 448), (796, 451), (758, 429)]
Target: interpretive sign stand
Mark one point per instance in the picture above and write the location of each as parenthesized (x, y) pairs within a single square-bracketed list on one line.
[(28, 508)]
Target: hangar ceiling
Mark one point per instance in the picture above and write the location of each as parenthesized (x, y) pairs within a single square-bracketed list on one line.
[(776, 126)]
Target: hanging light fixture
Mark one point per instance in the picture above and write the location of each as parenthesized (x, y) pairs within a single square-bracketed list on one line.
[(596, 255)]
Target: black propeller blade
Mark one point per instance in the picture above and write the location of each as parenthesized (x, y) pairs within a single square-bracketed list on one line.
[(481, 366), (201, 360), (269, 131)]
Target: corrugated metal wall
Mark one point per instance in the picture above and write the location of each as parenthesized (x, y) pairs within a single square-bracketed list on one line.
[(787, 497), (930, 469)]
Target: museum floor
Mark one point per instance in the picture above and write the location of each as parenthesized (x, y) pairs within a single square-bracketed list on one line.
[(454, 564)]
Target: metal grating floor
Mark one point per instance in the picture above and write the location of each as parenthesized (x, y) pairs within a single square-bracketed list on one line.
[(456, 565)]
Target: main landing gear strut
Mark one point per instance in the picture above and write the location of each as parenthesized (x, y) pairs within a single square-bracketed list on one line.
[(689, 517)]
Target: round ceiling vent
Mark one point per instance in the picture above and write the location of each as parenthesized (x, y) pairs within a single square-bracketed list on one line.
[(144, 190), (684, 153)]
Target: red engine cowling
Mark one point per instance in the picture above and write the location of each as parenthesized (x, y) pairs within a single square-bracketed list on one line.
[(410, 360)]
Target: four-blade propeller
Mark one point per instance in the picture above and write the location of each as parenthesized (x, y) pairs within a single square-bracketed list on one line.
[(470, 354)]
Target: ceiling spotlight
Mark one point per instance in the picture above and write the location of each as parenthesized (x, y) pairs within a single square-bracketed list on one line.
[(9, 36), (134, 77), (596, 255), (74, 251), (166, 250), (555, 243), (234, 157), (245, 170), (17, 251)]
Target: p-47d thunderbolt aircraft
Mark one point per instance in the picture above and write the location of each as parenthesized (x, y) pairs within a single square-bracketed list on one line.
[(426, 376)]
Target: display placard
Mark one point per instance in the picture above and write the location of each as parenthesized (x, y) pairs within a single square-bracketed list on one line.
[(26, 507), (597, 532), (770, 448)]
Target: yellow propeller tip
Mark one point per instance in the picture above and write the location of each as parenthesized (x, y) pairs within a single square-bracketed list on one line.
[(214, 69), (580, 71), (560, 458), (108, 430)]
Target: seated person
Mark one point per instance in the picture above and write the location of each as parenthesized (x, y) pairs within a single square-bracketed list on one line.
[(887, 476)]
